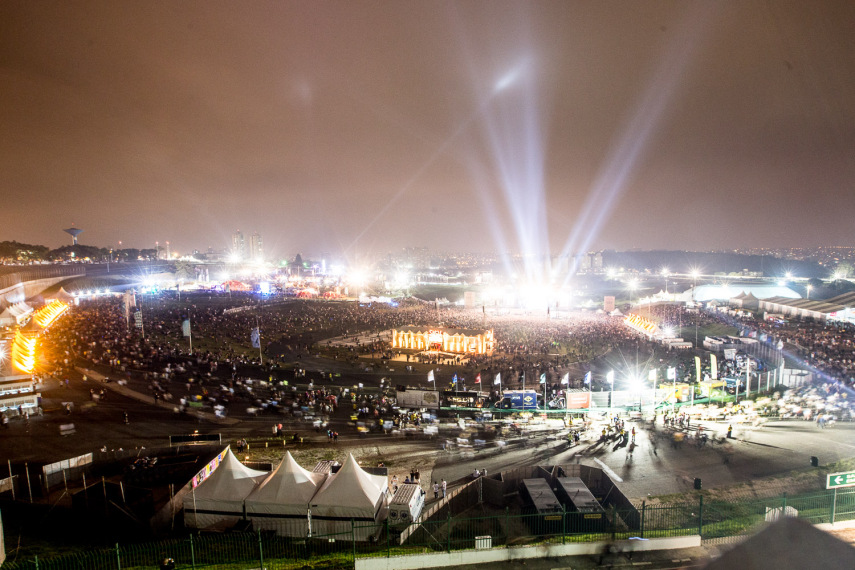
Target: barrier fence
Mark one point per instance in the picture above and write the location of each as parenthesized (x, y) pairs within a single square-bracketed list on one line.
[(713, 520)]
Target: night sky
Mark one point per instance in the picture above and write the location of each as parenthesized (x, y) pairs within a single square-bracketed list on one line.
[(356, 127)]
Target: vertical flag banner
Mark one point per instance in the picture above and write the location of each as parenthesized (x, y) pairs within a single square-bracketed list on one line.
[(672, 373), (610, 376), (566, 379), (256, 338), (651, 374), (185, 328), (543, 378), (498, 380), (478, 378), (698, 368), (713, 367), (430, 376), (454, 379)]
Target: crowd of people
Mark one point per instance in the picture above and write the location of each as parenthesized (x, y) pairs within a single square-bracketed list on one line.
[(825, 347)]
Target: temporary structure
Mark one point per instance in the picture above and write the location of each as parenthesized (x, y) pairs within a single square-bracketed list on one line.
[(219, 498), (350, 502), (281, 502), (63, 295), (15, 314)]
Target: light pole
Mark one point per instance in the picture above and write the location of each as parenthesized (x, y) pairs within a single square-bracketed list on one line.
[(610, 376), (695, 274), (632, 285)]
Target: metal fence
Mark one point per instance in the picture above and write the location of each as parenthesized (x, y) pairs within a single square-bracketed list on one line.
[(712, 520)]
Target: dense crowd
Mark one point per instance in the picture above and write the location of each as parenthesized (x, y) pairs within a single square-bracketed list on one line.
[(223, 365), (826, 347)]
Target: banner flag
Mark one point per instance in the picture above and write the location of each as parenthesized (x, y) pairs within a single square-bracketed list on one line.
[(498, 379), (454, 379), (697, 369), (255, 336), (478, 378), (566, 379), (543, 378), (713, 367), (430, 376), (672, 373), (185, 328)]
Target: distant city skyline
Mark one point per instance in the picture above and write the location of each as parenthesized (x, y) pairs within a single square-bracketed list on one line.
[(545, 127)]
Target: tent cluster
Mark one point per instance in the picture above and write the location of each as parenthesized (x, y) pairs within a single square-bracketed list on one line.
[(15, 314), (291, 501)]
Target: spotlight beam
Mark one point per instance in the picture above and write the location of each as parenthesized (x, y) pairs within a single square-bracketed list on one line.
[(620, 164)]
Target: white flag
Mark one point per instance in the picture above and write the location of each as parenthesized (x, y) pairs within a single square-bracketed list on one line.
[(498, 379), (566, 379), (430, 376)]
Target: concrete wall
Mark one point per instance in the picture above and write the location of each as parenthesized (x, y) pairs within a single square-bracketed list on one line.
[(462, 557)]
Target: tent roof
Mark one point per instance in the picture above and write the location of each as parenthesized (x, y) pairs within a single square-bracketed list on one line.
[(63, 295), (17, 310), (351, 487), (231, 481), (788, 543), (288, 484)]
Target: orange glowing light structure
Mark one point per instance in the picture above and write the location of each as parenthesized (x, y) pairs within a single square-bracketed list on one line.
[(24, 345), (447, 340), (641, 324), (24, 352), (49, 313)]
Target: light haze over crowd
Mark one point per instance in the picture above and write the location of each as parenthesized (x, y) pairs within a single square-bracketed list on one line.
[(359, 126)]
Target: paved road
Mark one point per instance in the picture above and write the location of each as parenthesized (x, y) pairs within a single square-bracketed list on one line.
[(775, 448)]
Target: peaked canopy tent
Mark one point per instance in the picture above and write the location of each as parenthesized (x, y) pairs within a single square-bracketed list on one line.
[(281, 502), (15, 314), (219, 499), (63, 295), (350, 494)]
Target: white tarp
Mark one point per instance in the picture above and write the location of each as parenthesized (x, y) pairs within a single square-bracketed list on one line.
[(281, 502), (351, 494), (219, 498)]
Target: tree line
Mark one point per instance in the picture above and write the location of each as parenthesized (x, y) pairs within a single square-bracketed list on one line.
[(16, 252)]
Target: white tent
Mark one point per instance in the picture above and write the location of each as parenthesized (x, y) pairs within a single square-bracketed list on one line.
[(63, 295), (219, 498), (15, 314), (351, 494), (281, 502)]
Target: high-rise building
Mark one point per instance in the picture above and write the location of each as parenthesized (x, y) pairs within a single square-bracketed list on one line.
[(238, 245), (256, 249)]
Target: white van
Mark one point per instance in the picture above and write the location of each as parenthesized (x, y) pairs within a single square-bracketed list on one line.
[(406, 505)]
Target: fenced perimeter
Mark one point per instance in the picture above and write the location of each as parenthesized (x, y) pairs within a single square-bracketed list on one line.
[(712, 520)]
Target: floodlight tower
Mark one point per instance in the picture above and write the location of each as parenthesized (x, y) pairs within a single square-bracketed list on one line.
[(74, 232)]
